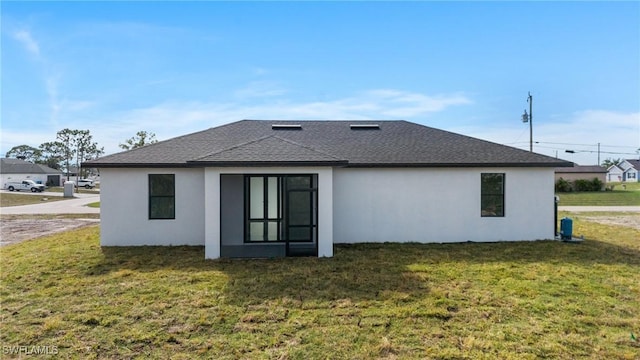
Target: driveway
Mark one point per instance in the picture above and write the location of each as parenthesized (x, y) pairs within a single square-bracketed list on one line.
[(19, 228), (77, 205), (599, 208)]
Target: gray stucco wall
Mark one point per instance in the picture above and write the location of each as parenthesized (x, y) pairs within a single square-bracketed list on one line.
[(231, 210)]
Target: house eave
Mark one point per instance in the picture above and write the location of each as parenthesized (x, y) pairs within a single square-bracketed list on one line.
[(134, 165), (456, 165), (202, 164), (265, 163), (339, 163)]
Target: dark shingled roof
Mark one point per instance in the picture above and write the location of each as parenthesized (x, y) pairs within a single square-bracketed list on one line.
[(325, 143), (18, 166), (581, 169), (270, 149), (634, 163)]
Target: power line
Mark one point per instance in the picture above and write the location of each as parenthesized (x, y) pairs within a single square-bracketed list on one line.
[(605, 152), (572, 144), (586, 151), (601, 145)]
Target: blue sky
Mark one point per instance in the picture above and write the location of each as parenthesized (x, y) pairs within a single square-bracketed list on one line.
[(174, 68)]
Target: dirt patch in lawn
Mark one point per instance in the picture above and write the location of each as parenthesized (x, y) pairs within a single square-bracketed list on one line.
[(632, 221), (14, 230)]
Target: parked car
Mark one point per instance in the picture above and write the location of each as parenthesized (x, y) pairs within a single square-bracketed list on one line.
[(24, 185), (86, 183)]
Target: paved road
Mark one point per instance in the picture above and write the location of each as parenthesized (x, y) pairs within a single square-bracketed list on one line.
[(600, 208), (77, 205)]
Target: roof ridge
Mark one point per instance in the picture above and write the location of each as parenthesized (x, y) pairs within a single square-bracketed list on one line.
[(233, 147), (161, 142), (264, 138), (307, 147)]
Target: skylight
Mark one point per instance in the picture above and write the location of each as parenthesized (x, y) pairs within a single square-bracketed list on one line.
[(364, 127), (286, 127)]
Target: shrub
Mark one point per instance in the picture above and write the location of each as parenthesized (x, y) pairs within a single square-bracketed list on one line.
[(596, 184), (563, 185), (582, 185)]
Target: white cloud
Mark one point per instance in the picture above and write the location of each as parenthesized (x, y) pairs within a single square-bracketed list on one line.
[(403, 104), (258, 89), (25, 38), (259, 71), (617, 132), (51, 84), (28, 136), (171, 119), (51, 79)]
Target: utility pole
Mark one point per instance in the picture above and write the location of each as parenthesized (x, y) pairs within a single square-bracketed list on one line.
[(598, 154), (529, 118)]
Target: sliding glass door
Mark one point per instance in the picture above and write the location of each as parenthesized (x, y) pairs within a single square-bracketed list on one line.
[(281, 208), (300, 210), (264, 208)]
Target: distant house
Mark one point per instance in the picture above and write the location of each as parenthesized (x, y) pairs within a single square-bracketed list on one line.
[(626, 171), (73, 170), (17, 170), (258, 188), (614, 174), (581, 172)]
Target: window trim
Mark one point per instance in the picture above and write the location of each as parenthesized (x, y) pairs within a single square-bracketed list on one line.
[(483, 212), (151, 196), (281, 221), (248, 220)]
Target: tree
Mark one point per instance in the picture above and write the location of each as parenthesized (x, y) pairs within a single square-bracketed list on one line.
[(69, 145), (141, 139), (609, 162), (66, 138), (85, 148), (25, 152), (92, 151), (52, 154)]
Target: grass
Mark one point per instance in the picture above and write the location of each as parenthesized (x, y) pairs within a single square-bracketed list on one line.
[(94, 204), (525, 300), (23, 199), (618, 197), (81, 190)]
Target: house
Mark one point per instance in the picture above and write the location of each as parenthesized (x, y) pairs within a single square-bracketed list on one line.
[(17, 170), (614, 174), (626, 171), (581, 172), (257, 188), (630, 170)]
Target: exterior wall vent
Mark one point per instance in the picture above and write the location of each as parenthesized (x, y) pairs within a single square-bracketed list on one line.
[(286, 127), (364, 127)]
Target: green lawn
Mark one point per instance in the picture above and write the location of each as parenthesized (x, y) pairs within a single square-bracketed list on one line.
[(7, 199), (617, 197), (60, 189), (528, 300)]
